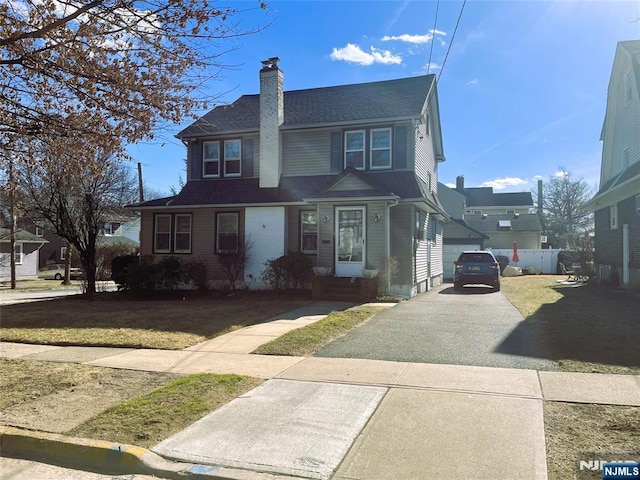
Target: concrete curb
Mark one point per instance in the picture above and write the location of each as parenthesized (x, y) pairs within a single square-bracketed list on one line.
[(108, 458)]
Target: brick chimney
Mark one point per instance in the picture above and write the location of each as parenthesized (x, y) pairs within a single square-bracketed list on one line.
[(460, 183), (271, 117)]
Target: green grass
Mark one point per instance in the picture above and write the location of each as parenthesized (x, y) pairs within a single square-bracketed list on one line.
[(113, 320), (583, 328), (307, 340), (151, 418)]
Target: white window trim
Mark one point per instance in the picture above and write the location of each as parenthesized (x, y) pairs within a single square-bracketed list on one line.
[(302, 212), (39, 232), (155, 232), (229, 214), (63, 253), (613, 217), (205, 161), (390, 148), (176, 233), (18, 253), (233, 159), (363, 150)]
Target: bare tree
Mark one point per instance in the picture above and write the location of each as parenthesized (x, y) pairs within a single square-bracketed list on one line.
[(107, 72), (76, 205), (564, 217)]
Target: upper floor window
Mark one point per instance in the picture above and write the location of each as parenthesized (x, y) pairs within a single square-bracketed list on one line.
[(63, 253), (211, 159), (354, 149), (309, 232), (232, 158), (613, 216), (380, 148), (39, 231)]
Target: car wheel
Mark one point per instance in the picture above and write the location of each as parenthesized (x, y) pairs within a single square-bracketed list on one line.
[(457, 286), (58, 276), (496, 287)]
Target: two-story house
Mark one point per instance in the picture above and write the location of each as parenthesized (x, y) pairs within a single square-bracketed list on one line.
[(346, 174), (617, 202), (485, 219)]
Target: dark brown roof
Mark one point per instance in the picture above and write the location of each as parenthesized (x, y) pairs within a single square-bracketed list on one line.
[(247, 191), (400, 98)]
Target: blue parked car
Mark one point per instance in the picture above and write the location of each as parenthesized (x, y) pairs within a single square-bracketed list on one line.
[(476, 267)]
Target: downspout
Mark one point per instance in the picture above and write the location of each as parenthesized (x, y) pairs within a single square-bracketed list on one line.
[(389, 205)]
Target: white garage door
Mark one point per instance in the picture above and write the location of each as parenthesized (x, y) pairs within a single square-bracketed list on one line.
[(450, 254)]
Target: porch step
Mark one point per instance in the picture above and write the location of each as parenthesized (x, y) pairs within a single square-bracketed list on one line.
[(348, 289)]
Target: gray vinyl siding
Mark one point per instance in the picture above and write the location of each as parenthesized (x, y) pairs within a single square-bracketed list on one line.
[(627, 215), (194, 156), (422, 252), (425, 163), (203, 222), (376, 236), (325, 233), (608, 242), (437, 267), (625, 124), (306, 153), (351, 183), (402, 218)]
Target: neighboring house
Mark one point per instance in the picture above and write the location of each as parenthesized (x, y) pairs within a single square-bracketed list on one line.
[(617, 203), (346, 174), (484, 219), (27, 246), (124, 229)]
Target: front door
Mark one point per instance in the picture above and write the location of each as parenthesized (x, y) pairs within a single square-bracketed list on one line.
[(350, 241)]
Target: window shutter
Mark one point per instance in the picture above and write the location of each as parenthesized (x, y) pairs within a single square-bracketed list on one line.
[(336, 152), (247, 157), (196, 161), (400, 147)]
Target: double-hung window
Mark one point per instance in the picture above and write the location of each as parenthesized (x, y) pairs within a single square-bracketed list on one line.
[(309, 232), (232, 158), (227, 232), (354, 149), (211, 159), (172, 233), (162, 234), (18, 253), (380, 148), (182, 235)]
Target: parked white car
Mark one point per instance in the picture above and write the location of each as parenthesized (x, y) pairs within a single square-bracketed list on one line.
[(56, 272)]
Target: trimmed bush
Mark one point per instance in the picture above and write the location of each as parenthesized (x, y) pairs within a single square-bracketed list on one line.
[(293, 270)]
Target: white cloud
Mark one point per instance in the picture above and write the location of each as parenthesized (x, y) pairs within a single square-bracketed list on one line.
[(502, 183), (354, 54), (432, 66), (473, 82), (415, 39), (538, 177)]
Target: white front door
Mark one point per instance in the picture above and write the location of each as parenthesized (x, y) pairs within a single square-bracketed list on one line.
[(350, 241)]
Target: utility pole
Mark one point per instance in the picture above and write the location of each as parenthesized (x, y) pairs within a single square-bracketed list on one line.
[(12, 227), (140, 189)]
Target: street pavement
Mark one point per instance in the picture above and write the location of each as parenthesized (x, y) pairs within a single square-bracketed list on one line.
[(474, 327), (11, 297), (347, 418)]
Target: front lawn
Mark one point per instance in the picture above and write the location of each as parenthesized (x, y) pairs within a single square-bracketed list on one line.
[(113, 320), (584, 328)]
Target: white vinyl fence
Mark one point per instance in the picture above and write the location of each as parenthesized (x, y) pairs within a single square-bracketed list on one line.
[(545, 261)]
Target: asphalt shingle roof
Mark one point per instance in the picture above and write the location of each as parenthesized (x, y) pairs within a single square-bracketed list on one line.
[(525, 222), (400, 98), (485, 197)]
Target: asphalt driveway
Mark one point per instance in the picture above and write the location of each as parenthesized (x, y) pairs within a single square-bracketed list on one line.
[(474, 327)]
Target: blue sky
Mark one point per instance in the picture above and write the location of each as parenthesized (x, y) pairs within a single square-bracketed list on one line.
[(522, 92)]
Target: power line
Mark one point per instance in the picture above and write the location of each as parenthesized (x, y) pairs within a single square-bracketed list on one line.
[(452, 38), (433, 36)]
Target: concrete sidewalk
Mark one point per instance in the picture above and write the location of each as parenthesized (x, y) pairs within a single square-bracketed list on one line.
[(345, 418)]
